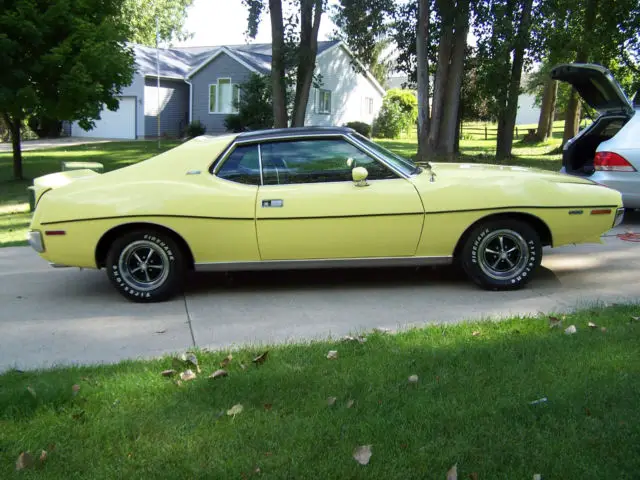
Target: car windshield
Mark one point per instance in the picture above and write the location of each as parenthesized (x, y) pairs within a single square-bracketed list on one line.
[(405, 165)]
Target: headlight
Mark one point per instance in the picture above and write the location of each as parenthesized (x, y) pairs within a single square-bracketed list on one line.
[(34, 238)]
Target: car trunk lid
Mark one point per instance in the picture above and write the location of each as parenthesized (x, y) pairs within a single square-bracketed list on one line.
[(596, 86), (56, 180)]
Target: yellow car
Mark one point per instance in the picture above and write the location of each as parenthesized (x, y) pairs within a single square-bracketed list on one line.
[(309, 198)]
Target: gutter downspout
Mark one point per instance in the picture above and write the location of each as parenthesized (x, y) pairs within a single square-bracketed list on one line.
[(190, 100)]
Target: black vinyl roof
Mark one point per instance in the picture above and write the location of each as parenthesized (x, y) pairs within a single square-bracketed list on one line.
[(293, 132)]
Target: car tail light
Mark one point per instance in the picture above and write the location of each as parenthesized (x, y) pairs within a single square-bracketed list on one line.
[(612, 162)]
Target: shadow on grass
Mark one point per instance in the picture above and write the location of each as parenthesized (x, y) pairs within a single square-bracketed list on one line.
[(471, 406)]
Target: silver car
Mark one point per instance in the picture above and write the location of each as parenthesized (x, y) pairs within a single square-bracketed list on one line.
[(608, 150)]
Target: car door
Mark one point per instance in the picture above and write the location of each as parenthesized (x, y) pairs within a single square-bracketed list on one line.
[(308, 206)]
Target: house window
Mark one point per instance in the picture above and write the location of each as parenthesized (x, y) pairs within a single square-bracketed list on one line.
[(223, 96), (323, 101), (368, 101)]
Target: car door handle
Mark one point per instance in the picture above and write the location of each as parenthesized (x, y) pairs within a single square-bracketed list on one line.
[(272, 203)]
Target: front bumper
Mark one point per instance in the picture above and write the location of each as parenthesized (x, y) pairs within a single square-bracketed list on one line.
[(34, 237)]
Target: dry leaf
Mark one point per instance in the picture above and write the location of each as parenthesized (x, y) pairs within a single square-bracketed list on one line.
[(413, 379), (587, 411), (473, 476), (331, 401), (452, 474), (31, 391), (260, 359), (226, 360), (350, 403), (635, 319), (25, 460), (218, 374), (362, 454), (603, 329), (168, 373), (554, 322), (235, 410), (75, 389), (187, 375), (267, 406), (43, 456), (476, 333), (256, 470), (570, 330), (592, 325), (332, 355)]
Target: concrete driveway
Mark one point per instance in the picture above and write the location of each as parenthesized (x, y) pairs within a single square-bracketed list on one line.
[(41, 144), (68, 316)]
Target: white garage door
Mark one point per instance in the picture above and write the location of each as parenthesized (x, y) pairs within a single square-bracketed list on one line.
[(118, 124)]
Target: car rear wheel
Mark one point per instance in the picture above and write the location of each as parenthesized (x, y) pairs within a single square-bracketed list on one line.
[(501, 254), (146, 266)]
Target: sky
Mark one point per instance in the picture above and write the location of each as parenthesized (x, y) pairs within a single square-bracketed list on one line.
[(224, 22)]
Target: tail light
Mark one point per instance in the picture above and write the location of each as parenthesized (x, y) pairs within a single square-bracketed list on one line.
[(611, 162)]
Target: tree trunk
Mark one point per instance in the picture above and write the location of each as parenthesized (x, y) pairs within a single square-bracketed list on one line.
[(449, 122), (552, 115), (422, 41), (438, 104), (278, 85), (310, 14), (14, 125), (571, 117), (546, 110), (505, 138)]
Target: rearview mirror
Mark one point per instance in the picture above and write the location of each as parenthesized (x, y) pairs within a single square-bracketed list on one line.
[(359, 175)]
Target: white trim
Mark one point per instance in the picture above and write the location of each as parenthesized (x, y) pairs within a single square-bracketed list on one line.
[(223, 49), (217, 84), (367, 74), (163, 77), (191, 100)]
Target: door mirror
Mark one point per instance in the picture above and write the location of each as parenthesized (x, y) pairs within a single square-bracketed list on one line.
[(359, 175)]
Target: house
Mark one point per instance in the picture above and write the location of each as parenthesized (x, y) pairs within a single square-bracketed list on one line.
[(200, 83)]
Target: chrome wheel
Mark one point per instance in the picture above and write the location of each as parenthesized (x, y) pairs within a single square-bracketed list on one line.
[(503, 254), (144, 265)]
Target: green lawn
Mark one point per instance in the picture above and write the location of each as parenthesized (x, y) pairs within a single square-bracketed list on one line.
[(14, 211), (474, 405), (14, 203)]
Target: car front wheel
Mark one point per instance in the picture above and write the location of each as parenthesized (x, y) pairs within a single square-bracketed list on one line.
[(146, 266), (502, 254)]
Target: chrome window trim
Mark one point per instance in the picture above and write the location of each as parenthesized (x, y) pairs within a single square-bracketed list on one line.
[(218, 162), (368, 262)]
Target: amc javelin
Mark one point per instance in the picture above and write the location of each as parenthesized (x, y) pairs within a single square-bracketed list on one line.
[(309, 198)]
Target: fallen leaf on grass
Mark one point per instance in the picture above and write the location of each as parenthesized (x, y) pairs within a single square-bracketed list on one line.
[(243, 366), (635, 319), (331, 401), (168, 373), (413, 379), (537, 476), (587, 411), (75, 389), (350, 403), (592, 325), (226, 360), (362, 454), (187, 375), (192, 359), (452, 474), (25, 460), (43, 456), (603, 329), (267, 406), (473, 476), (218, 374), (476, 333), (31, 391), (332, 355), (570, 330), (554, 322), (235, 410), (260, 359)]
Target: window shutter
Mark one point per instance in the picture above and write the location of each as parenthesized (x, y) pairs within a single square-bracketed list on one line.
[(212, 98)]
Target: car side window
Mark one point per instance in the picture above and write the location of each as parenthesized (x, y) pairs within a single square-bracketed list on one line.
[(317, 161), (242, 166)]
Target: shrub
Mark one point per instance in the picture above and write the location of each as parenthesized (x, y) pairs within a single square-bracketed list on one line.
[(407, 101), (390, 122), (195, 129), (255, 110), (361, 127)]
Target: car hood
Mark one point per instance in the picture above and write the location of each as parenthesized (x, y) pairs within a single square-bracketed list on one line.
[(596, 86), (483, 172)]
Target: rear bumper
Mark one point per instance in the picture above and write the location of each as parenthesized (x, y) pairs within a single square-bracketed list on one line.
[(34, 237)]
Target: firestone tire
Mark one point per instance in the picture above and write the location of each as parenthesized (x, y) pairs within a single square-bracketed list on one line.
[(146, 266), (501, 254)]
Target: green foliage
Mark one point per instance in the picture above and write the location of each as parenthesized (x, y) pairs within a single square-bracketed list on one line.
[(62, 59), (398, 113), (139, 16), (195, 129), (362, 128), (254, 108), (407, 101)]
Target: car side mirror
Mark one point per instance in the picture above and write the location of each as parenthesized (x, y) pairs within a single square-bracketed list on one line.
[(359, 175)]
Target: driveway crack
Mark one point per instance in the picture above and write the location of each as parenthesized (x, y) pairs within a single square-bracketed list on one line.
[(186, 309)]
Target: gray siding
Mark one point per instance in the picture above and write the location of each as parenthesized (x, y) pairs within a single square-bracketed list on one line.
[(221, 66), (174, 107)]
